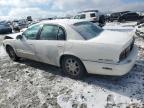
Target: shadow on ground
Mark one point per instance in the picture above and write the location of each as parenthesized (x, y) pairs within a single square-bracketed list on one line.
[(130, 85)]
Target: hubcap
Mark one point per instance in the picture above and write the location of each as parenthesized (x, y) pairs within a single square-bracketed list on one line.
[(72, 66)]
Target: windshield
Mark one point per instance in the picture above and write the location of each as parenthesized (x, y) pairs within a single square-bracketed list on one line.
[(87, 30)]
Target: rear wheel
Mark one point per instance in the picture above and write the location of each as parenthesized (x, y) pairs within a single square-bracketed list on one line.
[(12, 54), (73, 67)]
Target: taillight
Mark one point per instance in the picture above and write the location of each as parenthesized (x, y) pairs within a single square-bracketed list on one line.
[(126, 52)]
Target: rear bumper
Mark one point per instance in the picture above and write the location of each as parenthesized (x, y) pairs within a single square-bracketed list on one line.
[(112, 69)]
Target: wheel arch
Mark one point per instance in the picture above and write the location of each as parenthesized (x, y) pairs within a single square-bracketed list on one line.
[(9, 45), (70, 55)]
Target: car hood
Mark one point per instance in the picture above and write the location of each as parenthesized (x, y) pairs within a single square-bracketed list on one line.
[(112, 38), (14, 35)]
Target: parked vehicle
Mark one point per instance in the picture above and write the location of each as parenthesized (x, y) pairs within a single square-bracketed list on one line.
[(19, 24), (93, 16), (5, 28), (79, 47), (115, 16), (131, 16), (140, 30)]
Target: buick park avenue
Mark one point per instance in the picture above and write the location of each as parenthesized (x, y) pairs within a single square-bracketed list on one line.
[(78, 47)]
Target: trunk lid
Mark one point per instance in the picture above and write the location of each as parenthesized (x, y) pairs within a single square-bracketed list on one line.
[(112, 38)]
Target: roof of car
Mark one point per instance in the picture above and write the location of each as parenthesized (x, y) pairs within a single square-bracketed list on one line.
[(89, 11), (62, 21)]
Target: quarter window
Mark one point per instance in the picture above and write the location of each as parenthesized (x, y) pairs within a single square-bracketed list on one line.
[(61, 34)]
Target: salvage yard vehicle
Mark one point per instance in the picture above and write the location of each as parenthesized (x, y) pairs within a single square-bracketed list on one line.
[(78, 47), (19, 24), (5, 28), (115, 16), (94, 16), (130, 16)]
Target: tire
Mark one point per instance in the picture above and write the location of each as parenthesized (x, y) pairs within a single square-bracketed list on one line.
[(73, 67), (12, 54)]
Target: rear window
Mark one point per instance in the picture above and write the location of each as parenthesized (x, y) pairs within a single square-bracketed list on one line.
[(92, 15), (87, 30)]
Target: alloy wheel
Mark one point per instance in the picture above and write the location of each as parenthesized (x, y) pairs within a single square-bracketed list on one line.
[(72, 66)]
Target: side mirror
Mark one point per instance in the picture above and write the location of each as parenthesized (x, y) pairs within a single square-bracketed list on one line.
[(19, 37)]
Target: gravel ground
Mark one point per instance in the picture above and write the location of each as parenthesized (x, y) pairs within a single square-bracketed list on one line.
[(29, 84)]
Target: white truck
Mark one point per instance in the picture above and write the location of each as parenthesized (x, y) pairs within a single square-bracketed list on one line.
[(94, 16)]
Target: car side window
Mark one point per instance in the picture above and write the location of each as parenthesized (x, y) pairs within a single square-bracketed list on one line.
[(125, 16), (76, 17), (61, 34), (82, 16), (49, 32), (132, 15), (92, 15), (31, 32), (135, 15)]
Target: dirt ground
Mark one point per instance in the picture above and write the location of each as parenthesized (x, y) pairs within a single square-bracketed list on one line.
[(29, 84)]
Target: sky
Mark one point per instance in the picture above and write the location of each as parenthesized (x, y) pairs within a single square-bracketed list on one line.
[(50, 8)]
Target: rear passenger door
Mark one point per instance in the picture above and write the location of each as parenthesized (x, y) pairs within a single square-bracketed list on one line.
[(51, 43)]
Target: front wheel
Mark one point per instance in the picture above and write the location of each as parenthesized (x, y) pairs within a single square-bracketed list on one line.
[(73, 67), (12, 54)]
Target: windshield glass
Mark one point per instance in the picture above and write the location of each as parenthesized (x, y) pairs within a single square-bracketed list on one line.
[(87, 30)]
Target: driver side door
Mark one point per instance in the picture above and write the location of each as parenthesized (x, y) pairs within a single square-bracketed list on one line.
[(24, 47)]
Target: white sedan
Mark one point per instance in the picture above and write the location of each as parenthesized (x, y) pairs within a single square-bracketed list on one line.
[(78, 47)]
